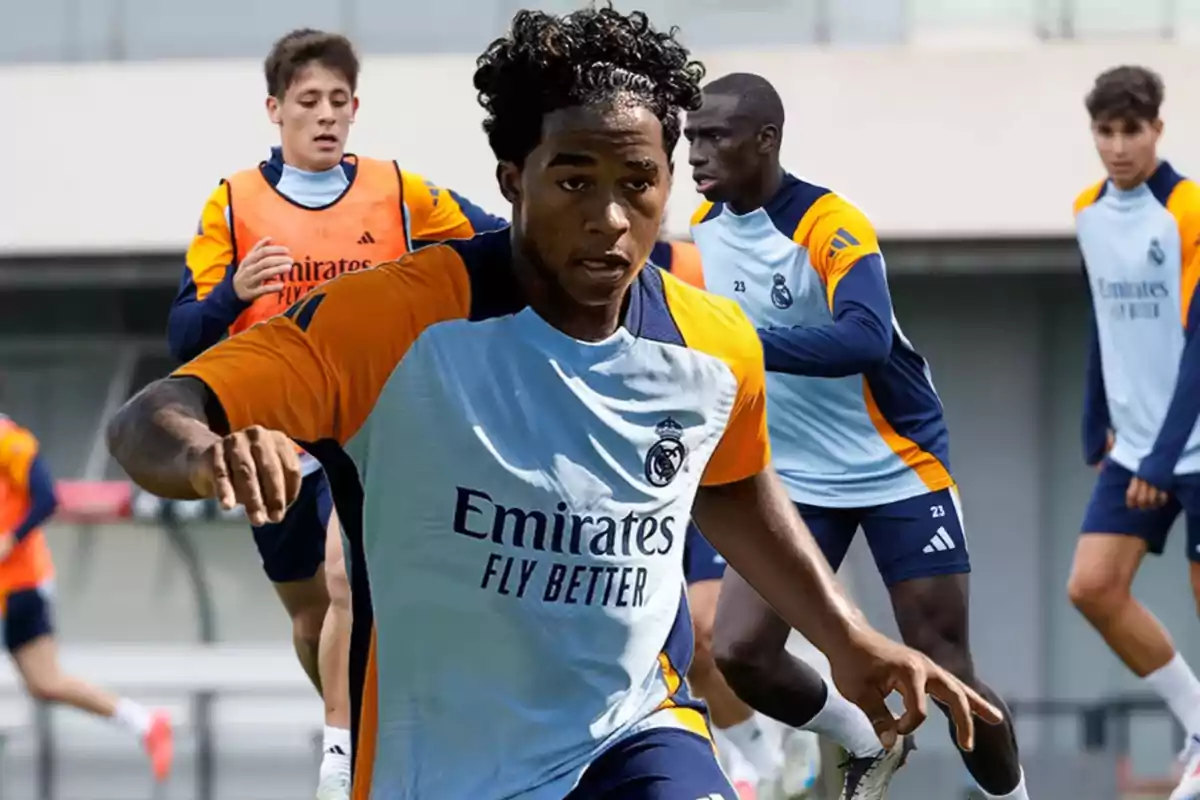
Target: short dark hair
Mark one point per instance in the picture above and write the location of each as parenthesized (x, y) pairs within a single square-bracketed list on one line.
[(549, 62), (758, 100), (296, 50), (1126, 92)]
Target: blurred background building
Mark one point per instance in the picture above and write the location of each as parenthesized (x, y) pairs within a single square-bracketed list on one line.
[(958, 125)]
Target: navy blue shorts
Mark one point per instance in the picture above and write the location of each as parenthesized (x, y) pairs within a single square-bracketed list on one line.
[(293, 550), (701, 561), (1107, 512), (659, 764), (919, 537), (27, 616)]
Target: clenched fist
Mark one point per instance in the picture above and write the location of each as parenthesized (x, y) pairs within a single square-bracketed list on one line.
[(255, 467)]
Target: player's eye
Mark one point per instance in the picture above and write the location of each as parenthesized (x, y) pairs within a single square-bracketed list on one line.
[(639, 186), (573, 184)]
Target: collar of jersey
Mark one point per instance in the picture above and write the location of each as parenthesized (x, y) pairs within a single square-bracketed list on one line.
[(273, 169), (766, 211), (555, 342), (1160, 183)]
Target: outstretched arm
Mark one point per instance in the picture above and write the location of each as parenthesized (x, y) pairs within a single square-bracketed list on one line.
[(754, 525), (161, 433)]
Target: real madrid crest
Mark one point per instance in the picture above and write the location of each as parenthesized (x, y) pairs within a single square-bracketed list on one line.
[(781, 295), (1156, 254), (666, 456)]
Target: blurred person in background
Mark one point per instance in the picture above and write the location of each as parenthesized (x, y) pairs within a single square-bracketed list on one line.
[(756, 757), (27, 500), (1139, 233), (857, 431), (267, 236)]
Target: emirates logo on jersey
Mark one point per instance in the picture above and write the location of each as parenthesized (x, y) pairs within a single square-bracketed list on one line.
[(309, 273)]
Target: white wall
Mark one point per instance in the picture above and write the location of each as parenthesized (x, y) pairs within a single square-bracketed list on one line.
[(120, 157)]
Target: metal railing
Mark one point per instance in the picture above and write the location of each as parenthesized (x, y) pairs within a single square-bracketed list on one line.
[(120, 30)]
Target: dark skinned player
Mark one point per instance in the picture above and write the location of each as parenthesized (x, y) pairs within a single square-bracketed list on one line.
[(857, 429), (516, 429)]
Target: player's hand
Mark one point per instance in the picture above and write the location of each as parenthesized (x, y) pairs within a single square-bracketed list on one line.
[(257, 273), (256, 468), (1143, 496), (873, 666)]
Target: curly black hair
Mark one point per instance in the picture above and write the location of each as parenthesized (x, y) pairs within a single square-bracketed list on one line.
[(549, 62), (1126, 92)]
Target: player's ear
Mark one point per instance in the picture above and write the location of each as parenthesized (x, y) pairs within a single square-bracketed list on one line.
[(508, 176), (768, 138), (273, 111)]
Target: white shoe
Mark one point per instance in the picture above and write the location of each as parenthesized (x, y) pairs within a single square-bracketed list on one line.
[(334, 786), (1189, 785), (868, 778)]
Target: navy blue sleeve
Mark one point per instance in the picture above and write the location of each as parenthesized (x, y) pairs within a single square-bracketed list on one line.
[(43, 501), (480, 220), (1158, 467), (194, 325), (859, 338), (1096, 421)]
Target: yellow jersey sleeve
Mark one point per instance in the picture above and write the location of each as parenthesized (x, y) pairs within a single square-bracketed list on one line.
[(717, 326), (434, 213), (836, 235), (1184, 206), (18, 449), (210, 253)]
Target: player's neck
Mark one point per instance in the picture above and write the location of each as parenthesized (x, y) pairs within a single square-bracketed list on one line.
[(583, 323), (1146, 175), (760, 193), (291, 161), (549, 301)]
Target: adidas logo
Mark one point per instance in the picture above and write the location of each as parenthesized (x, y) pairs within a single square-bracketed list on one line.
[(366, 238), (940, 542), (842, 239), (335, 750)]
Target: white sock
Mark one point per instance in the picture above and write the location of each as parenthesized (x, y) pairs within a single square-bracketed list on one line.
[(1177, 685), (846, 724), (763, 753), (1018, 793), (133, 717), (336, 757)]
